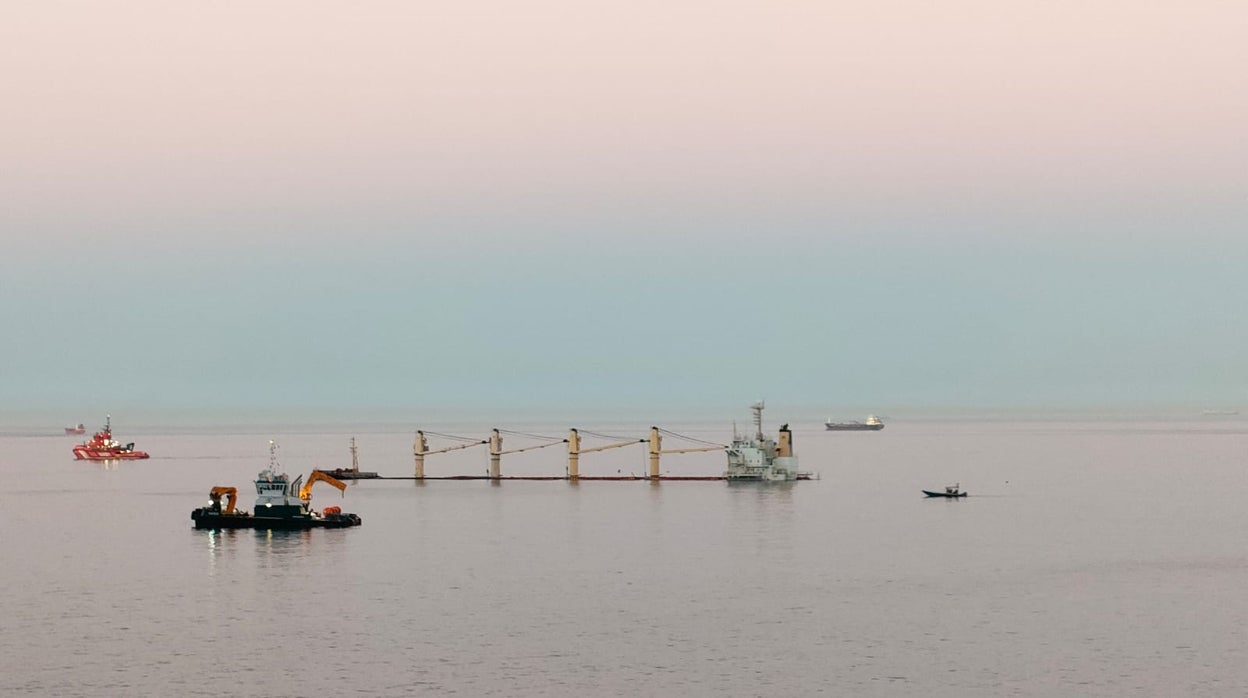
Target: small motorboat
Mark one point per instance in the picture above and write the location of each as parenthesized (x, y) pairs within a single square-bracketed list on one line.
[(951, 492)]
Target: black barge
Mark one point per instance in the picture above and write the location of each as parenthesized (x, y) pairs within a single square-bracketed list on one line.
[(280, 504)]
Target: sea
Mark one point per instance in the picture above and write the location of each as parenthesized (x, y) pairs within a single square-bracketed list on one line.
[(1092, 557)]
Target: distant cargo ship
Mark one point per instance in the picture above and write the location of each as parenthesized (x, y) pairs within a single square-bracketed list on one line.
[(873, 423)]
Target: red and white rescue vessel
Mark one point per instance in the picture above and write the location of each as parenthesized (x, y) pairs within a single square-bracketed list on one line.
[(103, 447)]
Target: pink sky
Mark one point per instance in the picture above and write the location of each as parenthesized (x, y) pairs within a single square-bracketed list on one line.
[(159, 111)]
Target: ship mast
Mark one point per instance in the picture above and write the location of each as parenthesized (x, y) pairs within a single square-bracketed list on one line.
[(757, 408)]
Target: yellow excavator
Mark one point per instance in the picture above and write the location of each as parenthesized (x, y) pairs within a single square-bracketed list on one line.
[(231, 498), (305, 492)]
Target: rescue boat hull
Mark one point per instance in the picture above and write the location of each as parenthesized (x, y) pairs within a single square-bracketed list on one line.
[(84, 453)]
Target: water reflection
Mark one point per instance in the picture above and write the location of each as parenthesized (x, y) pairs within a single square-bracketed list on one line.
[(281, 542), (762, 515), (264, 548), (777, 497), (220, 543)]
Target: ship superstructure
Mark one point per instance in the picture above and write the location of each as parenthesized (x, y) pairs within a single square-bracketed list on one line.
[(276, 494), (754, 457)]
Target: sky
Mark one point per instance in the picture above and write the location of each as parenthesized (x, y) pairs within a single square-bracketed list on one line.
[(598, 206)]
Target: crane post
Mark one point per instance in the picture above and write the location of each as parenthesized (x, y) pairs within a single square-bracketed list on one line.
[(574, 455), (418, 452), (496, 454), (656, 447)]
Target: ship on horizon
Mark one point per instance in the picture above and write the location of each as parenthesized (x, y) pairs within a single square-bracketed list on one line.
[(873, 423)]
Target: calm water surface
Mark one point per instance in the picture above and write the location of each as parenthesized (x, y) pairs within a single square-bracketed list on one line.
[(1103, 558)]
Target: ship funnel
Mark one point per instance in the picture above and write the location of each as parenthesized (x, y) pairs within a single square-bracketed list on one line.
[(785, 446)]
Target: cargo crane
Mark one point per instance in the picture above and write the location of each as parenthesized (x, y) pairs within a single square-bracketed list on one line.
[(575, 451), (656, 448), (420, 449)]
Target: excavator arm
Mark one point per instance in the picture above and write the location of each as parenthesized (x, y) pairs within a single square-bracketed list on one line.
[(230, 494), (305, 492)]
